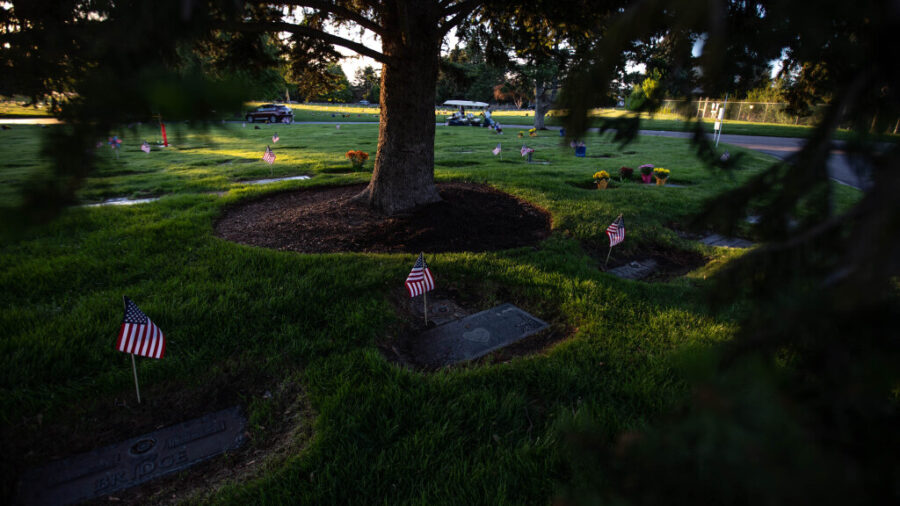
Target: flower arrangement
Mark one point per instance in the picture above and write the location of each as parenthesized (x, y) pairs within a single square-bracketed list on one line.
[(601, 176), (601, 179), (532, 132), (521, 134), (661, 175), (625, 172), (646, 172), (357, 158)]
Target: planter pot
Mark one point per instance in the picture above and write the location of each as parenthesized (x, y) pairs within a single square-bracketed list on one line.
[(646, 178), (581, 151), (661, 181), (602, 184)]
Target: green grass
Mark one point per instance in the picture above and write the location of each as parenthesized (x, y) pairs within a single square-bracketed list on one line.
[(483, 433), (12, 109)]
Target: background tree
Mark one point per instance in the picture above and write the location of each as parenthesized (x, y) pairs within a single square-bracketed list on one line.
[(465, 74), (366, 84), (536, 42), (801, 406)]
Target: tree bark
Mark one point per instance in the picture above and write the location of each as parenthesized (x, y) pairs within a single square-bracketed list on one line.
[(403, 177), (540, 105)]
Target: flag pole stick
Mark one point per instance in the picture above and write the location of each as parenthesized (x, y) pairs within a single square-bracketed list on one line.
[(607, 258), (425, 297), (136, 387)]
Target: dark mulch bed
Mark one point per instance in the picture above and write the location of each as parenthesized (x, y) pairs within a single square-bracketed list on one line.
[(464, 299), (34, 442), (671, 263), (471, 217)]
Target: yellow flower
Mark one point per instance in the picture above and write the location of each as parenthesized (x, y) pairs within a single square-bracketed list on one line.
[(601, 175)]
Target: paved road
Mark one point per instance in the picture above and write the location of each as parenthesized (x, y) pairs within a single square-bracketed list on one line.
[(839, 166)]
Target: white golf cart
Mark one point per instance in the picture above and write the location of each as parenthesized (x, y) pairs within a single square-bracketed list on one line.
[(461, 118)]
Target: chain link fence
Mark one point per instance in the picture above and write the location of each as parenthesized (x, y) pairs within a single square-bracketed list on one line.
[(753, 112)]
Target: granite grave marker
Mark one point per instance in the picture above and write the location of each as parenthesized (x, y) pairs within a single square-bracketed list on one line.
[(476, 335), (134, 461)]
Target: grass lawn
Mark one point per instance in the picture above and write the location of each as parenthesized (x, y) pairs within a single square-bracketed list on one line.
[(10, 109), (664, 122), (371, 432)]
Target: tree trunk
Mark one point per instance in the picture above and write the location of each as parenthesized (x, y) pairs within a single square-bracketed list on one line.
[(403, 177), (540, 105), (543, 102)]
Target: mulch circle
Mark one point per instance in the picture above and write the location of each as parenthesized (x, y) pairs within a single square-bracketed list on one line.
[(471, 217)]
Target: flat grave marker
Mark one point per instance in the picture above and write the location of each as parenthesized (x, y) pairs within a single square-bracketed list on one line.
[(476, 335), (725, 242), (636, 270), (134, 461)]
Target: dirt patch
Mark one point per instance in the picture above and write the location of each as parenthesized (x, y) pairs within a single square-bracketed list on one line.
[(400, 349), (669, 263), (470, 217), (82, 427)]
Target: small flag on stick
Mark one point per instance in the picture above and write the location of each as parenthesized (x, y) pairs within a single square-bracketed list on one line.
[(496, 150), (275, 138), (420, 281), (139, 336), (269, 156), (145, 147), (616, 233)]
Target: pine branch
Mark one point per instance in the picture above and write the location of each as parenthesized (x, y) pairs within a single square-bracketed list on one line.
[(313, 33), (339, 11)]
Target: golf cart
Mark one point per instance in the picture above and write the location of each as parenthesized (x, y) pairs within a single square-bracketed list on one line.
[(461, 118)]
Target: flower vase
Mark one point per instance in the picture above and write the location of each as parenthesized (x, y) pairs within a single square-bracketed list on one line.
[(529, 157), (661, 181), (602, 184), (646, 178)]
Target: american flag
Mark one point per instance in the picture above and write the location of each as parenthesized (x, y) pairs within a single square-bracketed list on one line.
[(616, 231), (145, 147), (496, 150), (525, 150), (139, 335), (269, 156), (419, 280), (275, 138)]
